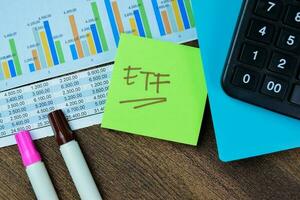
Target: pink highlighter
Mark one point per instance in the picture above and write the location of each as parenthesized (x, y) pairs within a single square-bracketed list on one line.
[(35, 168)]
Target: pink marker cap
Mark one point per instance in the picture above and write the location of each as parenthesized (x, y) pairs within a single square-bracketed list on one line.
[(27, 149)]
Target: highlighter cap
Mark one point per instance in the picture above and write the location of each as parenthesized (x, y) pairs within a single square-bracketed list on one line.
[(26, 147), (61, 128)]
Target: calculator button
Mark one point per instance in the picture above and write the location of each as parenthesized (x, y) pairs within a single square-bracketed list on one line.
[(283, 64), (293, 16), (245, 78), (271, 9), (261, 31), (295, 98), (253, 55), (289, 40), (274, 87)]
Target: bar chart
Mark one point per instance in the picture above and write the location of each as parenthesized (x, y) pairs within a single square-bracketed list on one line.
[(135, 14), (10, 64), (71, 36), (60, 55), (46, 51), (92, 41), (173, 15)]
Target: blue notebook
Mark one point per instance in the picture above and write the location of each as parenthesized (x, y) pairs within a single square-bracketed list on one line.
[(242, 130)]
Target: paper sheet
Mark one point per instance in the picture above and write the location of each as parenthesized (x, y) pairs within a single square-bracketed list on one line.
[(60, 56)]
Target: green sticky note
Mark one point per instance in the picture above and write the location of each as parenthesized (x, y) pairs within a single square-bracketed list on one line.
[(157, 90)]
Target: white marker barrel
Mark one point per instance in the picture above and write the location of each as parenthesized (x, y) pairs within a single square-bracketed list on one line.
[(79, 171), (41, 182)]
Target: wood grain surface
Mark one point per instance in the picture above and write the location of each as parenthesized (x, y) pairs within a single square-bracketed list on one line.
[(132, 167)]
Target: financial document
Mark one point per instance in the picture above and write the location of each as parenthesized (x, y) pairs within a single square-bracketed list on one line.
[(60, 55)]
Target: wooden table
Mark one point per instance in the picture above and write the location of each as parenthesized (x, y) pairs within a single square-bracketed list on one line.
[(132, 167)]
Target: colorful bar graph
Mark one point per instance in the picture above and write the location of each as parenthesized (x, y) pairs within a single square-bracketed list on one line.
[(31, 67), (96, 38), (60, 52), (36, 59), (177, 15), (39, 47), (166, 21), (133, 26), (76, 36), (139, 23), (51, 42), (116, 11), (144, 18), (99, 26), (188, 6), (87, 35), (91, 44), (46, 49), (15, 56), (174, 16), (73, 51), (158, 18), (12, 68), (183, 14), (6, 70)]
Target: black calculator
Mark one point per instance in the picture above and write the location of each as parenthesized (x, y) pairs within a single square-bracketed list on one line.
[(263, 65)]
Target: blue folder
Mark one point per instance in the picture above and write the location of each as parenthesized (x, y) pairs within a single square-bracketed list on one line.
[(242, 130)]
